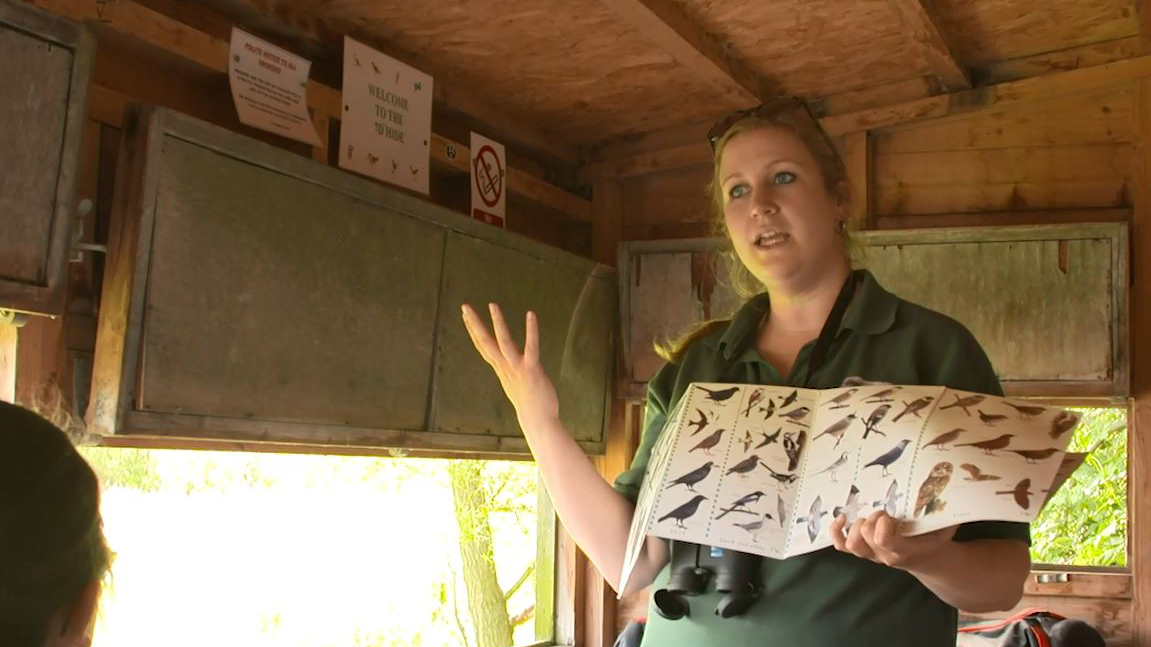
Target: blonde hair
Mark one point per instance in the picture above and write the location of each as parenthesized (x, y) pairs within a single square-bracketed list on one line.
[(742, 282)]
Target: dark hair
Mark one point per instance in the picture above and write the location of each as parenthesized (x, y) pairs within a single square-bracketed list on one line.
[(51, 535), (803, 125)]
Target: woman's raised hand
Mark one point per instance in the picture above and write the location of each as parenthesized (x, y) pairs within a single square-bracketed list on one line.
[(521, 375)]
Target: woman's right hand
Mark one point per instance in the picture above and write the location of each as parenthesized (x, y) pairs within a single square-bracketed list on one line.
[(521, 375)]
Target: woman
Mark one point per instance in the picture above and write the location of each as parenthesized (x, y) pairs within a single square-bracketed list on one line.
[(52, 549), (782, 195)]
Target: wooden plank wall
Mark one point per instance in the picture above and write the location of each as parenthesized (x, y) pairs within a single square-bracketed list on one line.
[(1077, 158)]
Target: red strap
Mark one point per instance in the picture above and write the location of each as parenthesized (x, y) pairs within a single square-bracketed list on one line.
[(1015, 618)]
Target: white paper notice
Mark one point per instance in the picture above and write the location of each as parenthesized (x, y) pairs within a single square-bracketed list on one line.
[(387, 120), (489, 180), (269, 88)]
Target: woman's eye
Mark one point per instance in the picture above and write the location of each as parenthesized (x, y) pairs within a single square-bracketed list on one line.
[(737, 191), (784, 177)]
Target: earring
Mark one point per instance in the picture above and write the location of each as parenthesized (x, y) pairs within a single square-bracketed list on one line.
[(841, 226)]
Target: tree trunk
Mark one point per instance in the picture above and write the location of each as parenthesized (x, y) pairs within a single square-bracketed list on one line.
[(486, 604)]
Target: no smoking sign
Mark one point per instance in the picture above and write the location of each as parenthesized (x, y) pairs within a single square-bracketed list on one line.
[(489, 177)]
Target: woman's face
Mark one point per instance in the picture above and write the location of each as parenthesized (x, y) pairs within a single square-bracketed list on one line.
[(779, 214)]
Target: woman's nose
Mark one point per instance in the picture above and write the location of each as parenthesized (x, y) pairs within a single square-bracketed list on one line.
[(763, 204)]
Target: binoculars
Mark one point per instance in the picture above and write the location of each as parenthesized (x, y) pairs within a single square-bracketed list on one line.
[(692, 567)]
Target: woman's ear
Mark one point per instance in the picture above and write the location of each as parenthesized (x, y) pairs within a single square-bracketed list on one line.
[(843, 199), (76, 623)]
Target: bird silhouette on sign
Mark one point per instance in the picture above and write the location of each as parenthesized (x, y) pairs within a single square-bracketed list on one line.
[(976, 474), (814, 519), (1033, 455), (707, 443), (836, 430), (989, 446), (698, 424), (744, 466), (746, 440), (767, 440), (1026, 411), (834, 467), (964, 403), (793, 445), (754, 527), (991, 419), (850, 509), (790, 399), (932, 487), (839, 400), (752, 400), (871, 424), (888, 458), (882, 396), (796, 415), (770, 410), (784, 479), (890, 501), (914, 407), (685, 511), (1063, 421), (944, 438), (1022, 493), (693, 477), (740, 504), (720, 395)]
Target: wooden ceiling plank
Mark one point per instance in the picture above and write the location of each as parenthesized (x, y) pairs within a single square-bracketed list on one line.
[(923, 30), (132, 20), (664, 24)]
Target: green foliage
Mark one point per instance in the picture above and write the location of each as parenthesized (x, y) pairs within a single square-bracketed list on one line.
[(1085, 523), (133, 469)]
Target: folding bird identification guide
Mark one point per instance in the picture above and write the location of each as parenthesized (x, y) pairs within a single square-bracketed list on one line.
[(765, 469)]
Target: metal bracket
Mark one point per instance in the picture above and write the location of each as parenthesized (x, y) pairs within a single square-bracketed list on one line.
[(1052, 578)]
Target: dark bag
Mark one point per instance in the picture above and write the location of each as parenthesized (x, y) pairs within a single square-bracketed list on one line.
[(1030, 628)]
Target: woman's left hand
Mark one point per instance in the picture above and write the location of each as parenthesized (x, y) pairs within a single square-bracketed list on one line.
[(877, 538)]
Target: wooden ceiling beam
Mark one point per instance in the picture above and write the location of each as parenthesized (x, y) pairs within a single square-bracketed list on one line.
[(664, 24), (923, 30)]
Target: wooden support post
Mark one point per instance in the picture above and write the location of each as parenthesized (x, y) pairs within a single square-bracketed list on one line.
[(857, 157), (1139, 452), (8, 337)]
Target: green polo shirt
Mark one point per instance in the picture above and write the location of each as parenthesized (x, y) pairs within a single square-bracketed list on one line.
[(825, 598)]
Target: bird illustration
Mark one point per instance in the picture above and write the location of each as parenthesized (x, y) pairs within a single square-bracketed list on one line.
[(883, 396), (976, 473), (414, 169), (781, 508), (770, 410), (1026, 411), (890, 500), (356, 60), (942, 439), (1022, 493), (744, 466), (888, 458), (850, 509), (964, 403), (914, 407), (740, 504), (839, 400), (1064, 420), (767, 440), (372, 159), (793, 446), (375, 68), (796, 415), (784, 479), (932, 487), (698, 424), (350, 149), (790, 399), (684, 511), (1033, 455), (754, 527), (836, 430), (870, 425), (395, 166), (752, 400), (989, 446), (707, 443), (991, 419), (834, 467), (746, 440), (814, 519), (721, 395), (693, 477)]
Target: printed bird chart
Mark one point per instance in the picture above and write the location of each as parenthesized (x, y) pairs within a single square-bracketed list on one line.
[(765, 469)]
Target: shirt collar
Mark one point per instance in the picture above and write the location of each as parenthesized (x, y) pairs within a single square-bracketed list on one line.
[(872, 313)]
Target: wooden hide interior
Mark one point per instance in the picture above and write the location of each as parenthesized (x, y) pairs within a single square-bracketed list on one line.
[(949, 113)]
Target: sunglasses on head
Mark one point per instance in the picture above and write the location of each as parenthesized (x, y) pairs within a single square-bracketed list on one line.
[(765, 110)]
